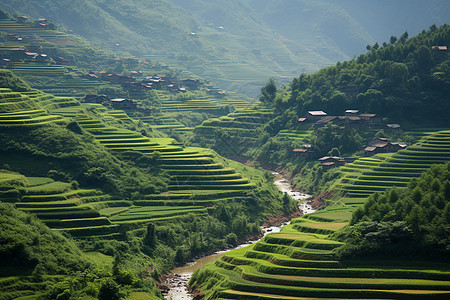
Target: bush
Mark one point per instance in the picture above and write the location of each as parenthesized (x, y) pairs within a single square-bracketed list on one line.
[(109, 290)]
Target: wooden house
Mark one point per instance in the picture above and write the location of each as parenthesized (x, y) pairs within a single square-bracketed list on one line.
[(371, 119), (306, 152), (382, 145), (124, 104), (22, 19), (329, 162), (314, 115)]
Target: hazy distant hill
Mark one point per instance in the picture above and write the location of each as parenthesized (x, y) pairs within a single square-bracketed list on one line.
[(238, 43)]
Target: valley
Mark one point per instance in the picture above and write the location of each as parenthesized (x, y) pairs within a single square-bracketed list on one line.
[(138, 145)]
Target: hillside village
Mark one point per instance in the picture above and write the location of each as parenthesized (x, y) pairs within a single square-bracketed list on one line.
[(354, 119), (28, 48)]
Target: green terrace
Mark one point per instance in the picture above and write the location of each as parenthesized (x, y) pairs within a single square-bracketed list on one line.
[(58, 204), (51, 41), (21, 110), (368, 175), (239, 123), (197, 181), (191, 171), (297, 135), (300, 261)]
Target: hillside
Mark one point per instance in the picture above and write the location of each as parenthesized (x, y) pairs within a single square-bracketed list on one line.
[(168, 99), (237, 44), (105, 178), (399, 250), (226, 57), (404, 82)]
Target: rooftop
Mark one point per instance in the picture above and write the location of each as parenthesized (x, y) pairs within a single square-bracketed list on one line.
[(317, 113)]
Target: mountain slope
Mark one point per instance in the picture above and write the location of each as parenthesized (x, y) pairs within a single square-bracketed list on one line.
[(238, 44)]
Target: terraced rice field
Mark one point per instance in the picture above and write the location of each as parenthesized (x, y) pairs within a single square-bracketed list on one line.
[(244, 124), (21, 110), (300, 262), (51, 41), (197, 179), (368, 175), (59, 205), (297, 135)]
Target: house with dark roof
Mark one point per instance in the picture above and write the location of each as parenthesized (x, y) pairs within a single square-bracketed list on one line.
[(325, 120), (125, 104), (329, 162), (312, 116), (306, 152), (22, 19), (439, 48), (371, 119), (393, 127), (382, 145)]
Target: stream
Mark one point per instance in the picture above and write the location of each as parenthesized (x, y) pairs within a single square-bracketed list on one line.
[(179, 277)]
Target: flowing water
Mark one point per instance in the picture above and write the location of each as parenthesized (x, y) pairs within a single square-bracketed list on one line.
[(177, 282)]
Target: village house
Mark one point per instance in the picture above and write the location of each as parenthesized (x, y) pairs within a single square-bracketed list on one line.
[(22, 19), (136, 73), (306, 152), (42, 58), (43, 23), (382, 145), (91, 76), (371, 119), (61, 60), (31, 55), (351, 112), (125, 104), (329, 162), (5, 63), (312, 116), (439, 48), (392, 127), (325, 120)]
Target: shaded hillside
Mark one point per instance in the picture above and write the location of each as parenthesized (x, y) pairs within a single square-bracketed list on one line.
[(27, 242), (236, 59)]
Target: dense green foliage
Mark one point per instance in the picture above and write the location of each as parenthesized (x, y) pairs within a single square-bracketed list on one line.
[(404, 81), (411, 220), (15, 83), (28, 246)]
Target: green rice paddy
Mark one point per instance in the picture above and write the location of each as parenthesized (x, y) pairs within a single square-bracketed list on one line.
[(300, 262)]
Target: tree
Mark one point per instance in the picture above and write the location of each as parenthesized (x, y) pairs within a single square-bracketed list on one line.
[(150, 237), (109, 291), (334, 152), (268, 92), (393, 39)]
